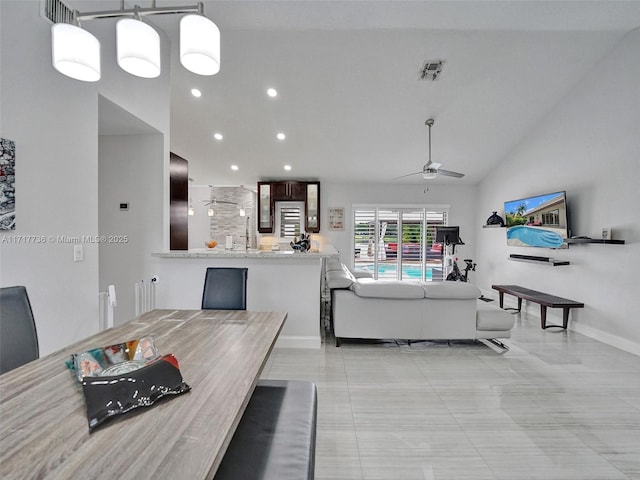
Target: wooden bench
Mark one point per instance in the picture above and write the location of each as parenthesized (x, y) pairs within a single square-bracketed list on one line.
[(276, 437), (544, 299)]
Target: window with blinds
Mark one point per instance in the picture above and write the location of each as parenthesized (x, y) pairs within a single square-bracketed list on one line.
[(397, 242), (290, 219)]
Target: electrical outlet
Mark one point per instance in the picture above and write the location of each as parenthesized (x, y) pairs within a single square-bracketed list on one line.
[(78, 253)]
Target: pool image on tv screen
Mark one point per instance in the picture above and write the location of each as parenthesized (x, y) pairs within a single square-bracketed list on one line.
[(538, 221)]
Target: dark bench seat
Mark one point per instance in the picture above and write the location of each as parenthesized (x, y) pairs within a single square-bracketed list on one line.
[(544, 299), (276, 437)]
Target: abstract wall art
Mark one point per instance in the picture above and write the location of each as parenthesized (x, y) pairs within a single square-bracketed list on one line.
[(7, 184)]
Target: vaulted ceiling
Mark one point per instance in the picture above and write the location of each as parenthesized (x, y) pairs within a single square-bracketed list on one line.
[(349, 98)]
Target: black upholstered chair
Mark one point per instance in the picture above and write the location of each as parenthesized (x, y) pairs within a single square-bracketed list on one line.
[(18, 336), (225, 289)]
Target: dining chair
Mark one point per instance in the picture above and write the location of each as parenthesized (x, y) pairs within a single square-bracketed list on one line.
[(18, 335), (225, 289)]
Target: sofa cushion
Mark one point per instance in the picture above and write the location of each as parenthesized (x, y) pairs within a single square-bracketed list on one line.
[(450, 290), (368, 287), (333, 263), (342, 278), (361, 273), (491, 317)]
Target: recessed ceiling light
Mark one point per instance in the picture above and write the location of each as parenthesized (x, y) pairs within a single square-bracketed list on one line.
[(287, 167), (196, 93), (272, 92), (217, 136), (281, 136), (234, 168)]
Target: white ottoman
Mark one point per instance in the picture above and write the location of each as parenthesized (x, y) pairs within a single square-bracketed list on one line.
[(492, 321)]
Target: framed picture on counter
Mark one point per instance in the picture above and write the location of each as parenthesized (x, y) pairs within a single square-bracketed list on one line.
[(336, 218)]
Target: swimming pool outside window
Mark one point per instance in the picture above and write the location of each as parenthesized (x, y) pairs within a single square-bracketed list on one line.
[(396, 242)]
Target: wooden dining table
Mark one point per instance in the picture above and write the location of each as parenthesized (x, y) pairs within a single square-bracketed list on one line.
[(44, 430)]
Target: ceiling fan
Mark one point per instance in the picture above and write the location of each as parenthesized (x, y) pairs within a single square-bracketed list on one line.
[(432, 169)]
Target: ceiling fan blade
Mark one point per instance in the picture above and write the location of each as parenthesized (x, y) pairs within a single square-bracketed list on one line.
[(448, 173), (215, 201), (407, 175)]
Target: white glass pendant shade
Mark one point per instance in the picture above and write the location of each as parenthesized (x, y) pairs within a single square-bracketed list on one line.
[(138, 48), (199, 45), (75, 52)]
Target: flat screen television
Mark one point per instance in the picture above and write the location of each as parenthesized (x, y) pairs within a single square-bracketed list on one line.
[(538, 221)]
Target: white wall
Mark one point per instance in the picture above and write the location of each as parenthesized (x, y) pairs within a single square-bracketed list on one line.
[(290, 284), (589, 145), (54, 122), (460, 198), (200, 222), (127, 163)]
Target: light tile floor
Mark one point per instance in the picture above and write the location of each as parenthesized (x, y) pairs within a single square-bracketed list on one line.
[(557, 405)]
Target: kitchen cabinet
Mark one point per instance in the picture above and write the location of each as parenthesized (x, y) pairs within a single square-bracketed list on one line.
[(265, 208), (312, 207), (290, 191)]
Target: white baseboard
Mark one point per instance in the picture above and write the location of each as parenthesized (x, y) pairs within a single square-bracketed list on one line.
[(586, 330), (604, 337), (289, 341)]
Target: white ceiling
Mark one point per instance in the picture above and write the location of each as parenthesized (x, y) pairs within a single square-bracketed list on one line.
[(350, 101)]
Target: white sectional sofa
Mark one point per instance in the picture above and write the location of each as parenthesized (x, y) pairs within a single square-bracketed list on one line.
[(362, 307)]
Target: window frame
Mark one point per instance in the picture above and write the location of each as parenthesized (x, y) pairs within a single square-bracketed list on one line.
[(278, 218), (427, 211)]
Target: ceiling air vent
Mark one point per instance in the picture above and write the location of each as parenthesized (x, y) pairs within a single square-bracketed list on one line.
[(431, 70), (57, 12)]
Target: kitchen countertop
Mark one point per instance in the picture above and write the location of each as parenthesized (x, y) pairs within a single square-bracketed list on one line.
[(220, 252)]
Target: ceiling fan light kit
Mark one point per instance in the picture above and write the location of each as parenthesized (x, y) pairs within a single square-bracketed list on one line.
[(429, 173), (76, 52)]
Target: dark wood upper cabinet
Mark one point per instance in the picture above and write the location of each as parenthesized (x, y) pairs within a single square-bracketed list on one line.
[(289, 191), (292, 191)]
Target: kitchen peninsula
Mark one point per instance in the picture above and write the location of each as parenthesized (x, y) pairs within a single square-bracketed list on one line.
[(277, 281)]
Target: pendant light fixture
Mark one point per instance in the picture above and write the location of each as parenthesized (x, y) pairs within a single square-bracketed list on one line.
[(75, 52), (138, 48), (199, 45)]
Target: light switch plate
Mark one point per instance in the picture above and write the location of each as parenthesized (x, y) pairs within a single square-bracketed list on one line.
[(78, 253)]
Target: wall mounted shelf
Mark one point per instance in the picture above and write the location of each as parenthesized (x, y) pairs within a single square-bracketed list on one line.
[(575, 241), (539, 260)]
